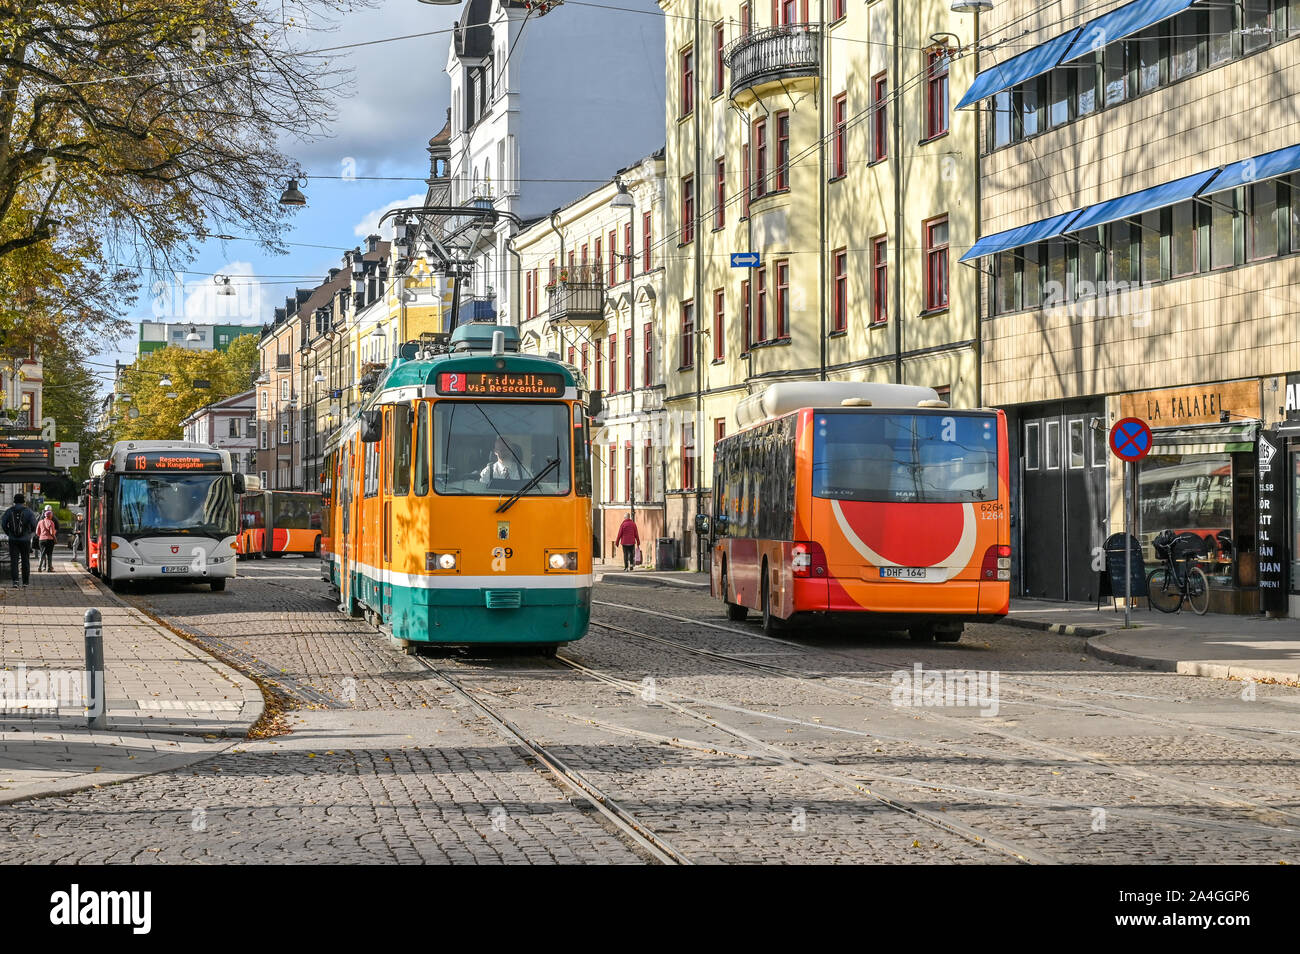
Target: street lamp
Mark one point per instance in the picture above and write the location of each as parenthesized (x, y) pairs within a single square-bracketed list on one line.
[(166, 382), (291, 195), (193, 337)]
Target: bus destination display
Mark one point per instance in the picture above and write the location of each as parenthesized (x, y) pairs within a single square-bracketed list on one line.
[(173, 461), (20, 453), (501, 384)]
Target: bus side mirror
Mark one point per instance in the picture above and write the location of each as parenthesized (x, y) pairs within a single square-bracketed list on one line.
[(239, 483), (595, 404), (372, 426), (702, 524)]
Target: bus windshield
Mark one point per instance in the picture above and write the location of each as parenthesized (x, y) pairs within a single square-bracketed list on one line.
[(499, 447), (905, 458), (200, 504)]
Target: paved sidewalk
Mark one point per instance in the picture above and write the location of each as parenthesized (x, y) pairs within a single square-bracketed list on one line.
[(167, 701), (1218, 646)]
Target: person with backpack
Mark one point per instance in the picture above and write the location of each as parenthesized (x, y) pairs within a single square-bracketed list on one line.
[(47, 531), (19, 525)]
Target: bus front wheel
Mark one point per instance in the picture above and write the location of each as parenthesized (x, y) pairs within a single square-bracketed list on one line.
[(735, 612), (218, 584)]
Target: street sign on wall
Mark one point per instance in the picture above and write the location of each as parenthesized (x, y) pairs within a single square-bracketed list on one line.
[(744, 260), (1270, 531), (67, 453), (1130, 439)]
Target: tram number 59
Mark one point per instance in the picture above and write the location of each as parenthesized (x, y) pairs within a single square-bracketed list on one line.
[(499, 557)]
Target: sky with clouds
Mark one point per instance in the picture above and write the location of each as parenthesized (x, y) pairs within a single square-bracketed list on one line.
[(399, 98)]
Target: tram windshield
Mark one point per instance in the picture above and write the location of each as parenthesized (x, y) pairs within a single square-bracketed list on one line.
[(203, 505), (501, 447), (905, 458)]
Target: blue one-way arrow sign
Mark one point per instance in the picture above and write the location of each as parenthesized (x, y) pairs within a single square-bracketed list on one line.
[(744, 260)]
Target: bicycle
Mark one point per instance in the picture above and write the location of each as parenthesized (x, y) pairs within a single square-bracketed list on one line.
[(1178, 581)]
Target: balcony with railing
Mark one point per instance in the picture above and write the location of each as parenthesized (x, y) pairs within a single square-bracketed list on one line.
[(777, 53), (577, 295)]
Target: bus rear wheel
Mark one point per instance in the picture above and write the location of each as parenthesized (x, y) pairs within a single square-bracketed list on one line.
[(735, 612), (948, 634), (770, 622)]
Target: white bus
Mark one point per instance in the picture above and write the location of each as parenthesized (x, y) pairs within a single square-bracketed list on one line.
[(167, 510)]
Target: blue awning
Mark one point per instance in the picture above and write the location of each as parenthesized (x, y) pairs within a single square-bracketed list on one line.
[(1135, 203), (1021, 235), (1125, 21), (1276, 163), (1019, 68)]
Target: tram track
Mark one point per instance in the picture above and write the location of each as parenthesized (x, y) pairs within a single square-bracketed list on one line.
[(1083, 760)]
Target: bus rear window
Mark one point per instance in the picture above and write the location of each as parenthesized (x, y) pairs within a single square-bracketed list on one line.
[(905, 458)]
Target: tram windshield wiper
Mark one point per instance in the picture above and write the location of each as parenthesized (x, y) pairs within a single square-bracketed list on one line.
[(537, 479)]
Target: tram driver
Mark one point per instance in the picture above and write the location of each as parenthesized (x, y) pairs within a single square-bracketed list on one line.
[(503, 463)]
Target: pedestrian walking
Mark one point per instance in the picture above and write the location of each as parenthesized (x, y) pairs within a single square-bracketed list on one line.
[(19, 525), (78, 530), (628, 539), (47, 531)]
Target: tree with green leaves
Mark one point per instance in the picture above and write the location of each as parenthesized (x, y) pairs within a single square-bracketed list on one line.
[(69, 394), (195, 378)]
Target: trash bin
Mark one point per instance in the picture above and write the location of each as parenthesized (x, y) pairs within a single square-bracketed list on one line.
[(666, 553)]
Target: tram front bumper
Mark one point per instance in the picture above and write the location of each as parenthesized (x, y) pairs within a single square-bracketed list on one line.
[(509, 614)]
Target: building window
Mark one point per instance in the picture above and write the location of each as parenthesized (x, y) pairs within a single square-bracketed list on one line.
[(1052, 442), (528, 294), (879, 117), (688, 209), (839, 153), (839, 9), (1032, 448), (284, 389), (1264, 217), (611, 453), (746, 19), (265, 397), (879, 280), (583, 366), (223, 339), (782, 169), (719, 429), (647, 471), (687, 357), (840, 291), (745, 317), (746, 181), (234, 427), (262, 438), (627, 471), (718, 43), (1077, 459), (759, 140), (936, 263), (613, 364), (629, 378), (613, 257), (600, 364), (781, 272), (719, 325), (648, 351), (688, 81), (688, 455), (936, 93), (720, 193), (1223, 229), (760, 307), (647, 234), (627, 252)]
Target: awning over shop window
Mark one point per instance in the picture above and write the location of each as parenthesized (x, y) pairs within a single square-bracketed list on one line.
[(1125, 21), (1280, 162), (1021, 235), (1019, 68), (1210, 439), (1135, 203)]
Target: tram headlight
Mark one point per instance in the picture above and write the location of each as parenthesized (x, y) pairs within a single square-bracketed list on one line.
[(562, 560), (446, 561)]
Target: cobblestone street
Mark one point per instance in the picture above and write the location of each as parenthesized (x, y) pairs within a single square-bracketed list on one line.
[(725, 745)]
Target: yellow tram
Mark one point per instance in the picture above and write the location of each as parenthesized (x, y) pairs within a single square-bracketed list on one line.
[(458, 501)]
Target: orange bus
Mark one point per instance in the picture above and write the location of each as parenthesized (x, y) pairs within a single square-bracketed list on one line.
[(275, 522), (857, 498)]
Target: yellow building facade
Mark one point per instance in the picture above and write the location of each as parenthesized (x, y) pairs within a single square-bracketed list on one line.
[(818, 142)]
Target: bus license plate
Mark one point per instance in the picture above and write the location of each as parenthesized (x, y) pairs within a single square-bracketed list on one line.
[(176, 569), (905, 572)]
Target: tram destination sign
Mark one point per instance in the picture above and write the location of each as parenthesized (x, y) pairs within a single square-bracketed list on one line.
[(500, 384), (24, 453), (177, 461)]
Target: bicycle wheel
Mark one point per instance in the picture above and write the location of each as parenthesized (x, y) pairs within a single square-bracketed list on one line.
[(1198, 591), (1162, 590)]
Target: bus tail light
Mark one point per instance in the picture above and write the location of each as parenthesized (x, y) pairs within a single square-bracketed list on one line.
[(997, 563), (808, 559)]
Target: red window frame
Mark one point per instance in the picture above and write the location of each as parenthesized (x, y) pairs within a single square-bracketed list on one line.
[(600, 364), (784, 12), (613, 257), (647, 239), (747, 183), (585, 255), (583, 356), (880, 280), (746, 18), (937, 71), (627, 470), (781, 279), (879, 117), (839, 151), (687, 339), (838, 10), (572, 350), (611, 453), (936, 264), (719, 429), (613, 363), (720, 193), (648, 353), (629, 365), (595, 273), (647, 469), (745, 317), (552, 271), (688, 80), (760, 307), (688, 209), (840, 292), (758, 138), (536, 276), (688, 455), (719, 324), (627, 252), (718, 65), (528, 295), (781, 166)]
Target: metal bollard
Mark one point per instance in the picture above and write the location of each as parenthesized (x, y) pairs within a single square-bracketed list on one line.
[(98, 716)]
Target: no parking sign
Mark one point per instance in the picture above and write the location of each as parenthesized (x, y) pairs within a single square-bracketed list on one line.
[(1130, 439)]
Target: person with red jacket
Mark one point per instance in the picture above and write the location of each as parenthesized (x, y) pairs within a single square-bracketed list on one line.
[(47, 531), (627, 538)]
